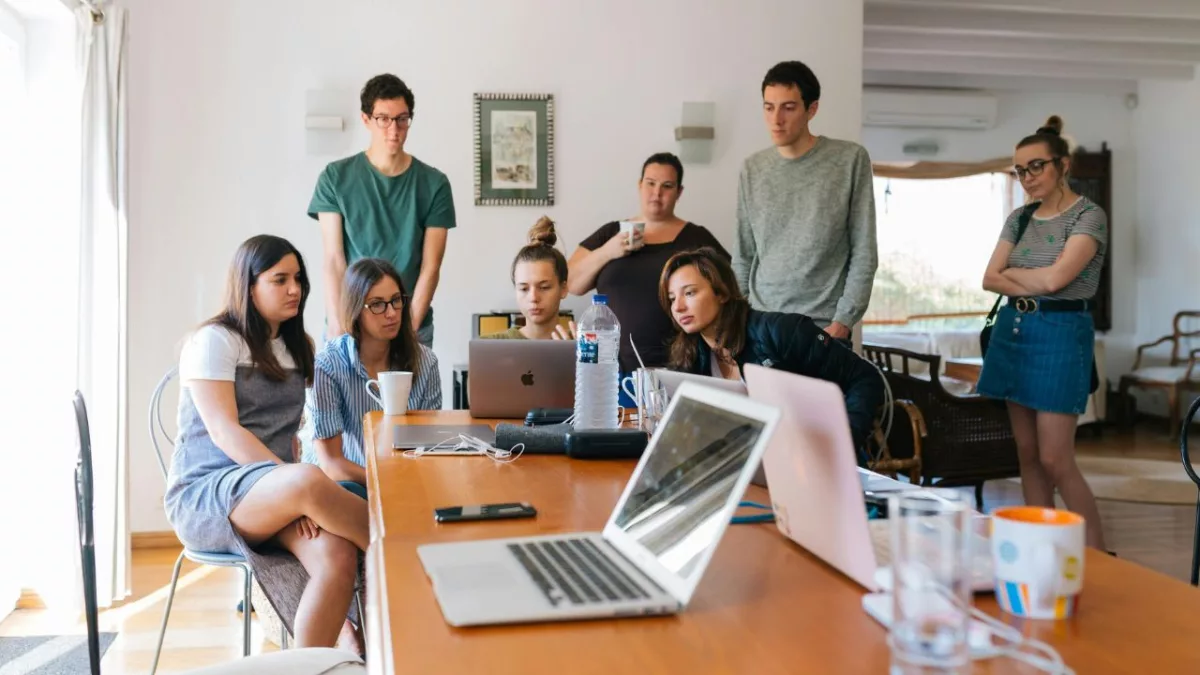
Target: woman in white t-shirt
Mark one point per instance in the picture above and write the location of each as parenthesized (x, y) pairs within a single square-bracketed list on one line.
[(234, 484)]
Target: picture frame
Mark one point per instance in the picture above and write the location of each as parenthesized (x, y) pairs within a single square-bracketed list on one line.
[(514, 149)]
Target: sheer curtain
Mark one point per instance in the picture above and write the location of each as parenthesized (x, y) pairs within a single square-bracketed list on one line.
[(935, 237), (103, 259)]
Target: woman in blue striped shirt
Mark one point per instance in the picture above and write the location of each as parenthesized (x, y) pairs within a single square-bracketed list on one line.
[(381, 338)]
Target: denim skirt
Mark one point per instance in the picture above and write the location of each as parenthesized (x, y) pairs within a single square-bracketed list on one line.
[(1041, 360)]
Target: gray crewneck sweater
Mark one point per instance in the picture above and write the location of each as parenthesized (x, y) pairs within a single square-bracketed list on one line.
[(806, 232)]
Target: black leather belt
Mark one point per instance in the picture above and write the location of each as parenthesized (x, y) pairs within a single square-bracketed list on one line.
[(1027, 305)]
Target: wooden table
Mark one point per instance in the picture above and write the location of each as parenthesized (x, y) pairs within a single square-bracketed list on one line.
[(966, 369), (765, 605)]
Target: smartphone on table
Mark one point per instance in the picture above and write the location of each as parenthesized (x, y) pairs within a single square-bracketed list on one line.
[(454, 514)]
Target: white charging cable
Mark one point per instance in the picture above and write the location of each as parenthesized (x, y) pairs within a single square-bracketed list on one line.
[(889, 408), (1045, 658), (476, 446)]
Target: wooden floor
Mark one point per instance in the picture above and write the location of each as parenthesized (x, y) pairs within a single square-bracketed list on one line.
[(206, 629), (205, 626)]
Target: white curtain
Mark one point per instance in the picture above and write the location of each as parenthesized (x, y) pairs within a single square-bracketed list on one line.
[(103, 263)]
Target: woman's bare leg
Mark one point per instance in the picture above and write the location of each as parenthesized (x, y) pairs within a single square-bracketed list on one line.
[(1056, 446), (294, 490), (331, 563), (1035, 484)]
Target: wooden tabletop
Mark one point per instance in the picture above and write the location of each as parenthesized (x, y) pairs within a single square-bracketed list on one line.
[(765, 605)]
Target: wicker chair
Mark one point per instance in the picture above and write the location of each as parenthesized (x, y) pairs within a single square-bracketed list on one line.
[(954, 440)]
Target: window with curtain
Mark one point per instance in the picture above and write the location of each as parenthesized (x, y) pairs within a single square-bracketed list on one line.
[(935, 236)]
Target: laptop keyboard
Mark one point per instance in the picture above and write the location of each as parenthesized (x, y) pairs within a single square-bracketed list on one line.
[(575, 570)]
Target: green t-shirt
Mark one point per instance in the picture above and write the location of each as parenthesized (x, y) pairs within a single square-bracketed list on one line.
[(385, 216)]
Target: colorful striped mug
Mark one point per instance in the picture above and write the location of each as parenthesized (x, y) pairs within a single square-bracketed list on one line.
[(1038, 557)]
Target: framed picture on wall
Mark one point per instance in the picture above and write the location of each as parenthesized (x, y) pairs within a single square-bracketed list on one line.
[(514, 149)]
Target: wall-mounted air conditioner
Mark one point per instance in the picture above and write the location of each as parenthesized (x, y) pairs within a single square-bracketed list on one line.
[(928, 109)]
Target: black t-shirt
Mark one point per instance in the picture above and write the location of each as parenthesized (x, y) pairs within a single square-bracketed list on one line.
[(631, 284)]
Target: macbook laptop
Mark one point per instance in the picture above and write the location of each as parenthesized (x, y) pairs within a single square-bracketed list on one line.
[(671, 379), (439, 439), (655, 547), (508, 378), (816, 490)]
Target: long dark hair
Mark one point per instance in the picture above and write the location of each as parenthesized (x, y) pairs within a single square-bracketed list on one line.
[(731, 318), (255, 256), (541, 249), (403, 352)]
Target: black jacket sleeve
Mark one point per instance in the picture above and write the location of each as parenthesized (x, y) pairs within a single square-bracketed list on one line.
[(807, 350)]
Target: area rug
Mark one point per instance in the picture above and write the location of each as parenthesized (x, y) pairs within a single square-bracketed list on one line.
[(1137, 480), (48, 654)]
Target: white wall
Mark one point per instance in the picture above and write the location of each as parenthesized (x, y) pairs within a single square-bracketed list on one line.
[(1091, 119), (217, 93), (1168, 243)]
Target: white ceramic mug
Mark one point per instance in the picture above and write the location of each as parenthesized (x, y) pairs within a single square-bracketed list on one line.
[(1038, 558), (644, 388), (394, 387), (632, 230)]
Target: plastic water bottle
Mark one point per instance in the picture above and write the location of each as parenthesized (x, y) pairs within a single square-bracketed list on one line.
[(598, 340)]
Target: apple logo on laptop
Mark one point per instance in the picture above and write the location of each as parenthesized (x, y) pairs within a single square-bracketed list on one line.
[(527, 379)]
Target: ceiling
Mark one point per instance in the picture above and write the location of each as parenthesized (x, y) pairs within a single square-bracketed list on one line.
[(1102, 46)]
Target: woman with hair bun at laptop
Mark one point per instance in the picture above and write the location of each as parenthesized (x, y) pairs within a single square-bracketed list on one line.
[(381, 338), (717, 333), (539, 275)]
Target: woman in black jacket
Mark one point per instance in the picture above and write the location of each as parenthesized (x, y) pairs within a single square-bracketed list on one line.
[(717, 334)]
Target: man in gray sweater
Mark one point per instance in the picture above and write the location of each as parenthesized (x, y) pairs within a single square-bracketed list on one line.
[(805, 239)]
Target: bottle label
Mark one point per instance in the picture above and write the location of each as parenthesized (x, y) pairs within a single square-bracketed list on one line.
[(588, 348)]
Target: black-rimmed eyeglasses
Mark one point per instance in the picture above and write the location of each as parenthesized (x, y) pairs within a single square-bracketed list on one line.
[(384, 121), (1034, 168), (380, 306)]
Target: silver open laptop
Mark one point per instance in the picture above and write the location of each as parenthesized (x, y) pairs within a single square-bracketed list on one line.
[(508, 378), (816, 488), (439, 439), (671, 379), (658, 540)]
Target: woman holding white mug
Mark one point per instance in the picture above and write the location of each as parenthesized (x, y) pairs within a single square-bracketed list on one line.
[(623, 260), (381, 346)]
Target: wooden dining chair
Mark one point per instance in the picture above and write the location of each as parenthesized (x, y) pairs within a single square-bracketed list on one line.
[(1176, 378)]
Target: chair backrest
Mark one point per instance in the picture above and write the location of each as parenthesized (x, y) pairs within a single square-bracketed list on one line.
[(159, 436), (84, 504), (1180, 332), (967, 435)]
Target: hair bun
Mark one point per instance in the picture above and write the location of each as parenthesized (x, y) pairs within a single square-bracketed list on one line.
[(542, 233), (1053, 126)]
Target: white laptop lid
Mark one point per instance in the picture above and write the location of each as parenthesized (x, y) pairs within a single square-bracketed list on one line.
[(671, 379), (811, 471), (681, 496)]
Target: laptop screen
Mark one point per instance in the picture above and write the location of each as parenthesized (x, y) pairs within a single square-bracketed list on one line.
[(675, 505)]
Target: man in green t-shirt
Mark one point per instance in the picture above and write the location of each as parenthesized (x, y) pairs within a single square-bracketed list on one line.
[(384, 203)]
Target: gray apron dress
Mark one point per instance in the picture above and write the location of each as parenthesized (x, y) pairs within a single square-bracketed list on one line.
[(205, 484)]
